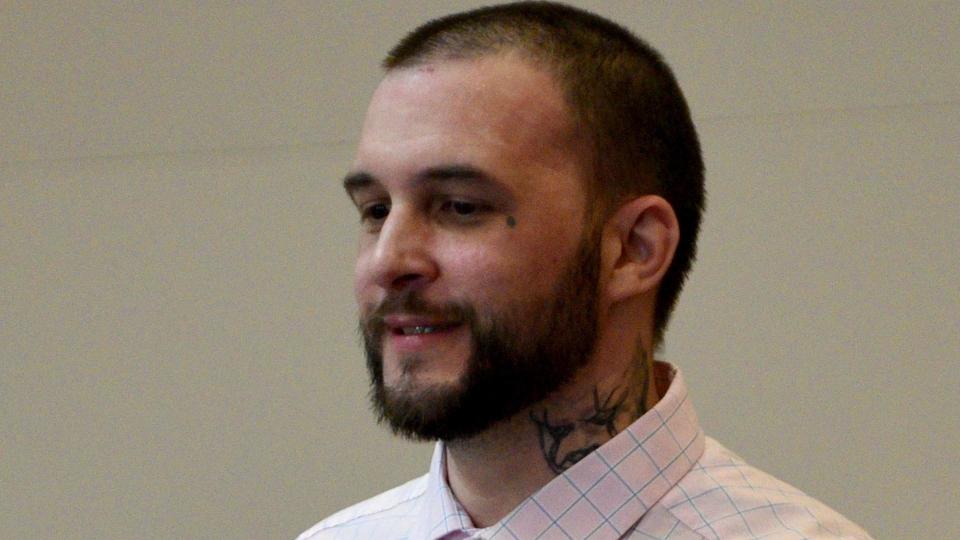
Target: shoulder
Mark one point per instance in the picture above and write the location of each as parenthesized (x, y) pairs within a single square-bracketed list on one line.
[(724, 497), (388, 515)]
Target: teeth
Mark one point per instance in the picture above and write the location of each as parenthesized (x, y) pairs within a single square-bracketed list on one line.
[(417, 330)]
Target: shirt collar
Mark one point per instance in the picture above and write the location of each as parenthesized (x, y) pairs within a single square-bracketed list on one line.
[(613, 486), (441, 513)]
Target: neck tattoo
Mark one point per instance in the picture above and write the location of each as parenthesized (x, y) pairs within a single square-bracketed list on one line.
[(565, 441)]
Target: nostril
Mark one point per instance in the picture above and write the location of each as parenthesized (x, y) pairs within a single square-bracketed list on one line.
[(402, 260), (406, 280)]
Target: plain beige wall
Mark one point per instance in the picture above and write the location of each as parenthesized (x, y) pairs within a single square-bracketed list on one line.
[(178, 356)]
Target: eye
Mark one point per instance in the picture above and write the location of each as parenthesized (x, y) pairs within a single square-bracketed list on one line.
[(372, 214), (377, 211), (462, 212), (460, 208)]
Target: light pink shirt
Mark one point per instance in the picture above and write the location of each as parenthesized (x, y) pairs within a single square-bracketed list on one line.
[(659, 478)]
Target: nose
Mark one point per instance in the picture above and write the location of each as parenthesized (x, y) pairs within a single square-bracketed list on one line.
[(401, 256)]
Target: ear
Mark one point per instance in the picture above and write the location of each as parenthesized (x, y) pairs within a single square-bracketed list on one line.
[(643, 235)]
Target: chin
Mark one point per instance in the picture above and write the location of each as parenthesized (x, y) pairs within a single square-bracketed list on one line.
[(422, 411), (419, 373)]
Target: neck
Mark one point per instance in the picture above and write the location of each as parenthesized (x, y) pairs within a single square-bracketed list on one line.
[(492, 473)]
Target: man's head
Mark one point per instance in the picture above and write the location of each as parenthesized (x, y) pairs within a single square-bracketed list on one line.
[(500, 149), (625, 102)]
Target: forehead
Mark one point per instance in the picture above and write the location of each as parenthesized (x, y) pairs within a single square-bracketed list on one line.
[(495, 112)]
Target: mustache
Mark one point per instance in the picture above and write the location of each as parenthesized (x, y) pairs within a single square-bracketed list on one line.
[(412, 303)]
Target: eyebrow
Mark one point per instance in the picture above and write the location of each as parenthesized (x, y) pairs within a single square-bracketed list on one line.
[(360, 180)]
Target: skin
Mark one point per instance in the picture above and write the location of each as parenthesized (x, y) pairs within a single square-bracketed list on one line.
[(470, 182)]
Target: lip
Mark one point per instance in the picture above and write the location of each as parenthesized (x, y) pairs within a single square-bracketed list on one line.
[(409, 343), (397, 321)]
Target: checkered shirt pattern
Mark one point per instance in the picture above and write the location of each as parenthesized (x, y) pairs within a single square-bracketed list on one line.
[(660, 478)]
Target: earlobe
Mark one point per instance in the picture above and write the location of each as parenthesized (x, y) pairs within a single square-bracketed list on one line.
[(648, 231)]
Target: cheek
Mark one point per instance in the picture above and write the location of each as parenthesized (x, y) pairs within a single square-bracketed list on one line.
[(473, 261), (538, 259), (495, 274), (362, 281), (474, 272)]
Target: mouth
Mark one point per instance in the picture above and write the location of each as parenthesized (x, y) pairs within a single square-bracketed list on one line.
[(420, 329), (409, 333)]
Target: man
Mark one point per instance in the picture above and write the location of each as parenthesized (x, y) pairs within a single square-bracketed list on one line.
[(530, 186)]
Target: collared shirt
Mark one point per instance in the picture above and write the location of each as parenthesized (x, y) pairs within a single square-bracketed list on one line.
[(659, 478)]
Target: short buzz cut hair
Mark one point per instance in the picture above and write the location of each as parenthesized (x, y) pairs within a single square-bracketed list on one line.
[(624, 99)]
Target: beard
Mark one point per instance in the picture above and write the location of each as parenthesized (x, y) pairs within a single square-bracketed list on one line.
[(518, 357)]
